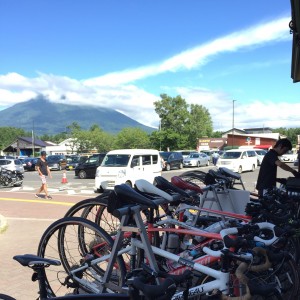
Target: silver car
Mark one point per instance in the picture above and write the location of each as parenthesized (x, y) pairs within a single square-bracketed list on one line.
[(196, 160), (12, 164), (260, 155)]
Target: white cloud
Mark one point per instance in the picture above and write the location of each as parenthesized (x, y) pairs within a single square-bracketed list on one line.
[(276, 30), (115, 90)]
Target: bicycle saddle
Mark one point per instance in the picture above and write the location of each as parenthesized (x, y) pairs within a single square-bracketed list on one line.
[(185, 185)]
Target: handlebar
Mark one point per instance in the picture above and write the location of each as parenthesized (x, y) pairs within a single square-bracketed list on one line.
[(240, 241)]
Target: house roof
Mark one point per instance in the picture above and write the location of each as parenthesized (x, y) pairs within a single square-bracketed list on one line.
[(37, 142), (235, 130)]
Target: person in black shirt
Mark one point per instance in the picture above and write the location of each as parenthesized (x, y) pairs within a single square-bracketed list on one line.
[(44, 171), (268, 170)]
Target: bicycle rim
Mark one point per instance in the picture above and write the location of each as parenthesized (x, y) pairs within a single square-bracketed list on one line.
[(72, 241)]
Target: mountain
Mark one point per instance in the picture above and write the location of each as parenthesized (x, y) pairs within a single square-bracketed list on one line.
[(51, 118)]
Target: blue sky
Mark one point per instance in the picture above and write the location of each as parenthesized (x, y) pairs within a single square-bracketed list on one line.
[(123, 54)]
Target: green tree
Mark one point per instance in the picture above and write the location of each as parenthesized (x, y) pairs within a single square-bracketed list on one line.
[(9, 134), (132, 138), (180, 124), (200, 124), (173, 114), (101, 140)]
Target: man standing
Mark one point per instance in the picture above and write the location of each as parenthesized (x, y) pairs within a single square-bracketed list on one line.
[(268, 169), (43, 171)]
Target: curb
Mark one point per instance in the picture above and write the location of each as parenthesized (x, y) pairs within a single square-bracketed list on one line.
[(3, 224)]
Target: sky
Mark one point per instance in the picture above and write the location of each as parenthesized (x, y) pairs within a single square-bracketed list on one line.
[(233, 57)]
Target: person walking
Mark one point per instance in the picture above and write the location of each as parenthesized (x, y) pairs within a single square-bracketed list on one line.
[(268, 170), (215, 157), (43, 171)]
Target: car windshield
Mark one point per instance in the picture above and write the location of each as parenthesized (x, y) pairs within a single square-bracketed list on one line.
[(73, 159), (165, 155), (231, 155), (115, 160), (53, 158), (261, 152)]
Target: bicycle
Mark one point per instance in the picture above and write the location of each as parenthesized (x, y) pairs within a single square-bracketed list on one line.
[(106, 279), (135, 281)]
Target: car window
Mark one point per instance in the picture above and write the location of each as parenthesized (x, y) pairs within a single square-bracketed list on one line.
[(4, 162), (146, 159), (116, 160), (92, 160), (231, 155), (18, 162), (251, 153), (165, 155), (154, 159)]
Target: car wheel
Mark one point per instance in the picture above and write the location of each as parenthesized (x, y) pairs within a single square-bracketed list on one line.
[(258, 163), (181, 166), (198, 164), (168, 167), (253, 168), (82, 174), (240, 170)]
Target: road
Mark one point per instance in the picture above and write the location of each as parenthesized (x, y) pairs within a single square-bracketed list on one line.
[(28, 218)]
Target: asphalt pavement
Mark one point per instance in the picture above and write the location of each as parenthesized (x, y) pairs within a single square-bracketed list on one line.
[(24, 219)]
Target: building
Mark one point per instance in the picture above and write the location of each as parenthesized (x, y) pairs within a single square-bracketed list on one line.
[(25, 146), (262, 138), (211, 143)]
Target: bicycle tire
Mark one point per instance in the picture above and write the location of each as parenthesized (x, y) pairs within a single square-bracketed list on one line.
[(63, 241), (6, 297), (95, 210)]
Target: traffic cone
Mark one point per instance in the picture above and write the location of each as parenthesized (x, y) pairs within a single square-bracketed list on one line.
[(64, 178)]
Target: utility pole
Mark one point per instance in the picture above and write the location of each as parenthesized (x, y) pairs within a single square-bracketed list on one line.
[(232, 123), (32, 139)]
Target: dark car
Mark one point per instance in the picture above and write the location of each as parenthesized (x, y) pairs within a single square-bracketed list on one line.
[(73, 161), (30, 164), (56, 162), (88, 168), (172, 160)]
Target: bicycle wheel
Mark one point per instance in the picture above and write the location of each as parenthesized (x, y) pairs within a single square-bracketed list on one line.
[(95, 210), (76, 241)]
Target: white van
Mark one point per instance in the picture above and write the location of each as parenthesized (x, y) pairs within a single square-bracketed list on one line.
[(238, 160), (126, 166)]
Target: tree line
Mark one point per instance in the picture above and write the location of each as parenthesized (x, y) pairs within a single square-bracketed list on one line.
[(180, 126)]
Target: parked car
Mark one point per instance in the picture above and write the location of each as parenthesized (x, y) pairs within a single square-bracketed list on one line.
[(238, 160), (73, 161), (30, 164), (7, 156), (290, 156), (260, 155), (12, 164), (209, 153), (186, 153), (172, 160), (127, 166), (196, 160), (88, 168), (56, 162)]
